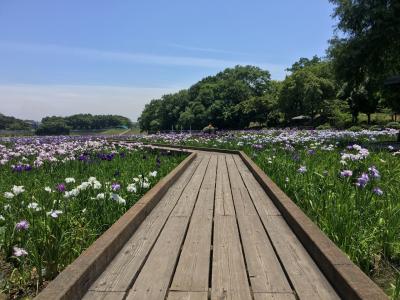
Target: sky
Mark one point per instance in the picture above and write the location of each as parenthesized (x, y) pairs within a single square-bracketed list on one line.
[(112, 57)]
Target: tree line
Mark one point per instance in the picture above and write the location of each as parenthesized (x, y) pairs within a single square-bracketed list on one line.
[(63, 125), (332, 90), (11, 123)]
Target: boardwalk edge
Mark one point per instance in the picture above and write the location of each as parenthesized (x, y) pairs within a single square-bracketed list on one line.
[(75, 280)]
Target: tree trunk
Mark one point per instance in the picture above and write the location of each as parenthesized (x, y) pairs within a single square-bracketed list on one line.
[(369, 119)]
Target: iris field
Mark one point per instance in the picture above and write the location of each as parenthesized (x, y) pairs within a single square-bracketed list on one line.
[(57, 195), (344, 182)]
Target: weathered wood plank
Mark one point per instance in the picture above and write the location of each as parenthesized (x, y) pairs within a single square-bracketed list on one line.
[(305, 276), (155, 276), (265, 272), (94, 295), (254, 188), (223, 195), (184, 207), (229, 277), (274, 296), (192, 272), (187, 296), (124, 268)]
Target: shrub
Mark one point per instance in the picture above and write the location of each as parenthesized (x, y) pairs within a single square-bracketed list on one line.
[(53, 128), (355, 128), (394, 125), (325, 126), (209, 129), (375, 128)]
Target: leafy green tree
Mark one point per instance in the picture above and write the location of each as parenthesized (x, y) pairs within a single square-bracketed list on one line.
[(53, 126), (371, 40), (306, 90), (367, 52), (214, 99), (11, 123)]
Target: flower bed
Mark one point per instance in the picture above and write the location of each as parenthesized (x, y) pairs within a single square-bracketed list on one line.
[(57, 195)]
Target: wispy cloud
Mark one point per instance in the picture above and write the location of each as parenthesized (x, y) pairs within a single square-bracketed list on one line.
[(208, 50), (130, 57), (37, 101), (139, 58)]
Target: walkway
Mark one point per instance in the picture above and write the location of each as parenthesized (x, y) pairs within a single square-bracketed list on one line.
[(215, 234)]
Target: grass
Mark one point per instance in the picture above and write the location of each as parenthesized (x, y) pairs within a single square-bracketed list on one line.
[(52, 212)]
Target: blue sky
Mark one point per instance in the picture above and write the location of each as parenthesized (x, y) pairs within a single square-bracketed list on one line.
[(64, 57)]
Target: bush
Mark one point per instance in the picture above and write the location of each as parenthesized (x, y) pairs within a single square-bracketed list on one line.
[(53, 128), (355, 128), (209, 129), (325, 126), (394, 125), (375, 128)]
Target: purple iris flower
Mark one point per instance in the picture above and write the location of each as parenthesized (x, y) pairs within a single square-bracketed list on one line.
[(22, 225), (27, 167), (346, 173), (362, 180), (18, 168), (374, 172), (115, 186), (60, 187), (378, 191), (311, 151)]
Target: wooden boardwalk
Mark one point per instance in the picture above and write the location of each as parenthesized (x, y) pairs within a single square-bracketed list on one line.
[(215, 234)]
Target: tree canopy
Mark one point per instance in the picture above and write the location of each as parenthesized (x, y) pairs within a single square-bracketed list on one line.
[(230, 99), (11, 123)]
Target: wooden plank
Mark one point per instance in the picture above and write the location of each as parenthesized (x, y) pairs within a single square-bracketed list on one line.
[(254, 188), (305, 276), (94, 295), (307, 279), (124, 268), (229, 277), (187, 296), (265, 272), (155, 276), (186, 202), (192, 272), (274, 296), (223, 196)]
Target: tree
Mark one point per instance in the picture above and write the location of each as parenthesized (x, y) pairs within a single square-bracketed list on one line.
[(305, 91), (367, 52), (214, 99), (11, 123), (369, 26), (53, 126)]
